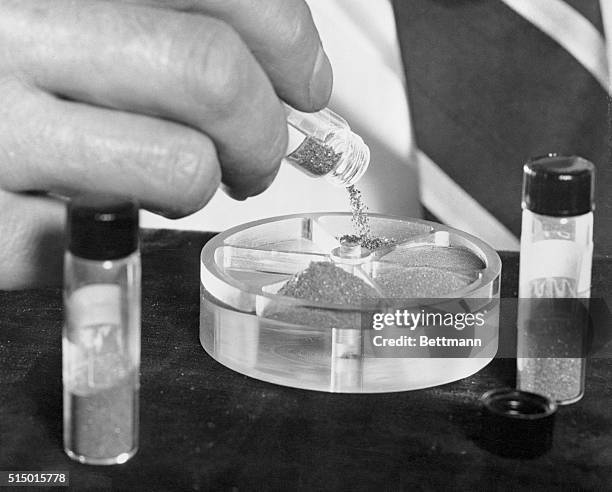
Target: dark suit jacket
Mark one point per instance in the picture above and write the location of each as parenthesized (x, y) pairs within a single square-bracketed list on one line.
[(488, 90)]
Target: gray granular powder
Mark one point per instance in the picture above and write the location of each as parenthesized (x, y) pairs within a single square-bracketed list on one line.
[(102, 424), (368, 242), (450, 258), (419, 282), (325, 282), (558, 378), (315, 157), (372, 242), (361, 222)]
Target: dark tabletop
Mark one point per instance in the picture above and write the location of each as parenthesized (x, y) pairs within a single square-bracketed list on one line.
[(205, 427)]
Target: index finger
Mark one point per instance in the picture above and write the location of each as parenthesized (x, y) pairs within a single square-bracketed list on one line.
[(282, 36)]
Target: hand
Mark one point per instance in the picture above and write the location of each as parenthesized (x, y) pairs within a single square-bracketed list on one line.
[(157, 99)]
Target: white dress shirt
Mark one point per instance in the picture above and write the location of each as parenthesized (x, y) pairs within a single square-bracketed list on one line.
[(369, 92)]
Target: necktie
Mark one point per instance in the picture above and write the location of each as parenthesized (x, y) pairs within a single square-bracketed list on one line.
[(488, 90), (590, 10)]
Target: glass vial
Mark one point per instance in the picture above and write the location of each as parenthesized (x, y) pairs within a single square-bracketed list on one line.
[(322, 145), (555, 276), (101, 334)]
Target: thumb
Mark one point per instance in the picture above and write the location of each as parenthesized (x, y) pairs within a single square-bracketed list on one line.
[(31, 241)]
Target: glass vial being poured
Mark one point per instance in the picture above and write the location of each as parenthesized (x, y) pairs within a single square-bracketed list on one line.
[(322, 145), (101, 335), (555, 276)]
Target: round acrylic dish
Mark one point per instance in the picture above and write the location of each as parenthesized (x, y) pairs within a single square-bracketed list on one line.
[(247, 326)]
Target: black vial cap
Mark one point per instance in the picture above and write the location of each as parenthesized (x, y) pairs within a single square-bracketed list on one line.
[(516, 424), (102, 227), (559, 186)]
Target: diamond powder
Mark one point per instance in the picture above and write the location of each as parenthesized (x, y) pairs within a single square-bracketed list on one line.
[(361, 222), (558, 378), (102, 420), (325, 282), (314, 157)]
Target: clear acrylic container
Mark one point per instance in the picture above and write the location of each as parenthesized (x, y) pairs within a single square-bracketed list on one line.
[(247, 326)]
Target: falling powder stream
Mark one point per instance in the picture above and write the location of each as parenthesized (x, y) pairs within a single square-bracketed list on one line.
[(318, 159), (361, 222)]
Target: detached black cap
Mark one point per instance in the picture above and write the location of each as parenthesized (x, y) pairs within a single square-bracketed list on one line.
[(516, 423), (102, 227), (559, 186)]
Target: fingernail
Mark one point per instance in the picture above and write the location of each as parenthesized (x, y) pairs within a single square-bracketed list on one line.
[(322, 80)]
